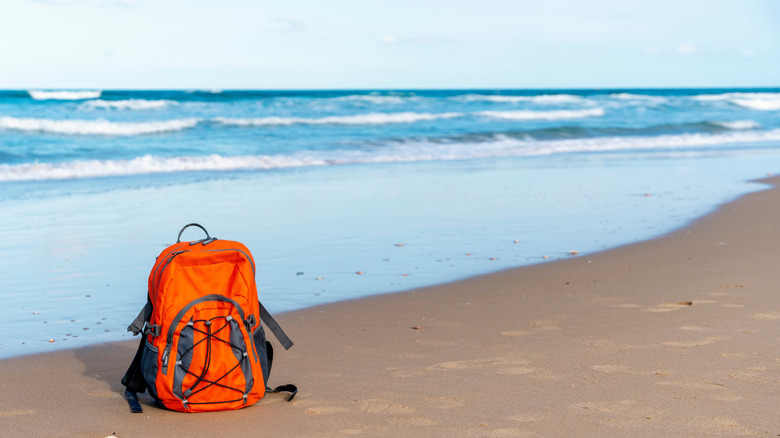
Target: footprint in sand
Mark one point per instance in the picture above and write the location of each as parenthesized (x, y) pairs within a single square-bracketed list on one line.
[(17, 412), (527, 418), (325, 410), (515, 333), (546, 324), (413, 421), (696, 343), (669, 307), (767, 316), (383, 407), (445, 402), (613, 369), (501, 365)]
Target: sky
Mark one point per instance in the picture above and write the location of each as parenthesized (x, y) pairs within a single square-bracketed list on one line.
[(388, 44)]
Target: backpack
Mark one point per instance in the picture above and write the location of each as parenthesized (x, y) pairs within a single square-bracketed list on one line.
[(203, 347)]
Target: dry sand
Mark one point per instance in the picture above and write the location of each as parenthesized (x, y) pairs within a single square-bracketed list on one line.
[(677, 336)]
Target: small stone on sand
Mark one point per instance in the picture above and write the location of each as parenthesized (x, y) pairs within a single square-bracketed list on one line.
[(573, 252), (51, 340), (359, 272)]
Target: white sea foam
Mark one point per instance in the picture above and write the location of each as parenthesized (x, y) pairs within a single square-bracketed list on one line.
[(738, 124), (642, 97), (410, 151), (543, 98), (544, 115), (95, 127), (129, 104), (376, 99), (64, 95), (359, 119), (764, 104), (757, 101)]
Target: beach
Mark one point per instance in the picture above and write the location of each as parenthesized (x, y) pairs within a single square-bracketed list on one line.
[(675, 336), (411, 187)]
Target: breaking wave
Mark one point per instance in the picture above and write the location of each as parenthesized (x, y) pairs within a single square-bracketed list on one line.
[(359, 119), (408, 151), (756, 101), (129, 104), (544, 115), (94, 127), (543, 98), (737, 124), (64, 95)]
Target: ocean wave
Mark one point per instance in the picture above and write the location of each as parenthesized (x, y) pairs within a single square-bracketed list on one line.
[(404, 152), (64, 95), (757, 101), (544, 115), (95, 127), (542, 99), (359, 119), (642, 97), (375, 99), (129, 104), (737, 124)]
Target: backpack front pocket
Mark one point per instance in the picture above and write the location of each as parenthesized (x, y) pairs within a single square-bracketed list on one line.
[(212, 363)]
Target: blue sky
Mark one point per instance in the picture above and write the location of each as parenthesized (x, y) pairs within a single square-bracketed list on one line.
[(298, 44)]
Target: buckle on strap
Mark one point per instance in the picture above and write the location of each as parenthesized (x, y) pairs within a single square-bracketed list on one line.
[(250, 320), (154, 329)]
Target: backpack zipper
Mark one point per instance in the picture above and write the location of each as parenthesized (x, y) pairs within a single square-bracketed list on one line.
[(251, 262), (171, 256)]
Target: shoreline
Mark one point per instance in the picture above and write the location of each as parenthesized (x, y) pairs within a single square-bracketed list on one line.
[(674, 335)]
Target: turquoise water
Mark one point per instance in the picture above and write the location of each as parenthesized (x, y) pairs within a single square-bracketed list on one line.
[(411, 188)]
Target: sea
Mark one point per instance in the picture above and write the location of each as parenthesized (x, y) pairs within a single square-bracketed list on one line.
[(341, 194)]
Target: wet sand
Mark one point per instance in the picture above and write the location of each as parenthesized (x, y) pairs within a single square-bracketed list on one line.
[(677, 336)]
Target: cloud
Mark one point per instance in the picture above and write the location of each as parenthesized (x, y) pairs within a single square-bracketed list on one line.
[(652, 51), (748, 54), (687, 49)]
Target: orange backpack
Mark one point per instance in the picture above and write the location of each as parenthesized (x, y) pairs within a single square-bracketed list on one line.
[(204, 348)]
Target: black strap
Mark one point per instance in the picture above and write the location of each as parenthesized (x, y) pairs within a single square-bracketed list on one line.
[(137, 326), (292, 389), (272, 325), (134, 381), (132, 400)]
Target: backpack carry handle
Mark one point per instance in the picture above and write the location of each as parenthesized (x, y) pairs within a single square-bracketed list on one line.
[(178, 239)]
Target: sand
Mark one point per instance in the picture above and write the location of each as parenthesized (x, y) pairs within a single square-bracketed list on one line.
[(677, 336)]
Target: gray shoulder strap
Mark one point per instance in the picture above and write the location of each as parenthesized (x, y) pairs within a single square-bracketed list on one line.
[(137, 325), (272, 325)]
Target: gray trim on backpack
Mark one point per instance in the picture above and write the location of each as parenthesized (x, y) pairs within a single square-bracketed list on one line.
[(180, 315), (183, 360), (237, 339)]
